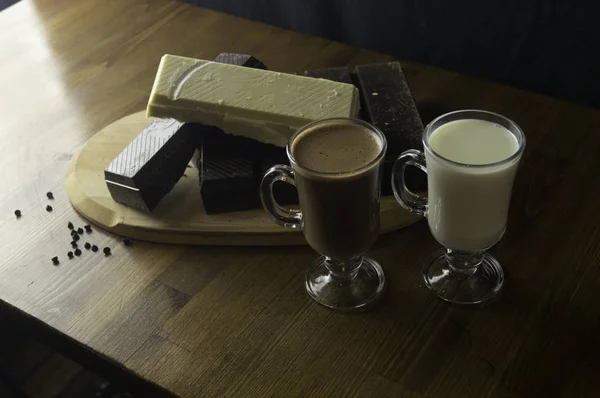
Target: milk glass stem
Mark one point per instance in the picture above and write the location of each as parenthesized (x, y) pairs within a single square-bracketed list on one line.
[(464, 262)]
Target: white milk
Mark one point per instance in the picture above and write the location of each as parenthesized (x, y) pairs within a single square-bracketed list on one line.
[(468, 206)]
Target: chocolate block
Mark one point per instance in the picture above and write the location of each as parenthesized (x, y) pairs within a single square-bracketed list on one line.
[(240, 60), (387, 103), (228, 172), (270, 155), (228, 164), (338, 74), (148, 168)]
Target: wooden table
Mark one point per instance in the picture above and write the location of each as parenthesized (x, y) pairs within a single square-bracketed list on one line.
[(213, 321)]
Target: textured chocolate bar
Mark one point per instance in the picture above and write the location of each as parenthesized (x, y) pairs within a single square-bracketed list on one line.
[(148, 168), (228, 172), (270, 155), (387, 103)]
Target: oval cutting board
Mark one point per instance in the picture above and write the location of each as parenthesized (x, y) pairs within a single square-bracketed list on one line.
[(180, 216)]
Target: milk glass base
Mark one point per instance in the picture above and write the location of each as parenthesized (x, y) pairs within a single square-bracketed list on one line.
[(335, 286), (475, 285)]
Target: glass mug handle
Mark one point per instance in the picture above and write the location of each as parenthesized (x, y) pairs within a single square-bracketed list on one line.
[(284, 216), (409, 200)]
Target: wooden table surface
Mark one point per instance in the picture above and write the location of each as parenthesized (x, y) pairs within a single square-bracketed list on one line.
[(214, 321)]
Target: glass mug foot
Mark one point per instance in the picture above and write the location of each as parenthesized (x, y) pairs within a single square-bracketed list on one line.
[(464, 288), (355, 292)]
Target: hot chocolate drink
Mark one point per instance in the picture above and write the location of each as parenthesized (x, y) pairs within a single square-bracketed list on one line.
[(337, 174)]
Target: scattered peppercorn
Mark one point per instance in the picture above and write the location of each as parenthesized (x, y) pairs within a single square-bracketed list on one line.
[(94, 248), (127, 242), (88, 228), (70, 225), (70, 254), (49, 195), (18, 213), (74, 244), (55, 260), (77, 252), (79, 230), (75, 237), (106, 251), (87, 245), (48, 208)]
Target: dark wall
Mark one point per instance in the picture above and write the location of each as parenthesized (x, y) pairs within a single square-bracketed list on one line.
[(541, 45)]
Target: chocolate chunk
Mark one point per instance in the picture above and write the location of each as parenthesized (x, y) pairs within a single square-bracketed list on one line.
[(77, 252), (148, 168), (55, 260), (338, 74), (49, 195), (94, 248), (48, 208), (387, 103), (106, 251), (240, 59), (270, 155), (228, 172), (70, 225), (87, 246), (18, 213)]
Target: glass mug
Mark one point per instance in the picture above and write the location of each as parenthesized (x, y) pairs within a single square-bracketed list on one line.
[(470, 158), (336, 168)]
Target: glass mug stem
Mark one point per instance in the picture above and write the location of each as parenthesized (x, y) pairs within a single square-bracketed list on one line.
[(344, 268), (464, 262)]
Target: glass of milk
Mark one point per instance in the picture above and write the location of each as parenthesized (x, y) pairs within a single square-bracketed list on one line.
[(471, 158)]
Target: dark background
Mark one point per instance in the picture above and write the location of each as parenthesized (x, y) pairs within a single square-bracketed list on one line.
[(546, 46)]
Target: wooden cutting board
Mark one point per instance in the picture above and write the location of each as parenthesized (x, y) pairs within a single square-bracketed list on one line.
[(180, 216)]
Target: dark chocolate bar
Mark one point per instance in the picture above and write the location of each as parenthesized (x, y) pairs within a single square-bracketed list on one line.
[(388, 104), (148, 168), (228, 166)]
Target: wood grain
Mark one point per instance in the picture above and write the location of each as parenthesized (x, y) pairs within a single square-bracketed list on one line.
[(235, 321), (179, 217)]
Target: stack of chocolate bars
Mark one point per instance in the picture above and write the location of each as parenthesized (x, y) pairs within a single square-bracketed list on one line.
[(231, 166)]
